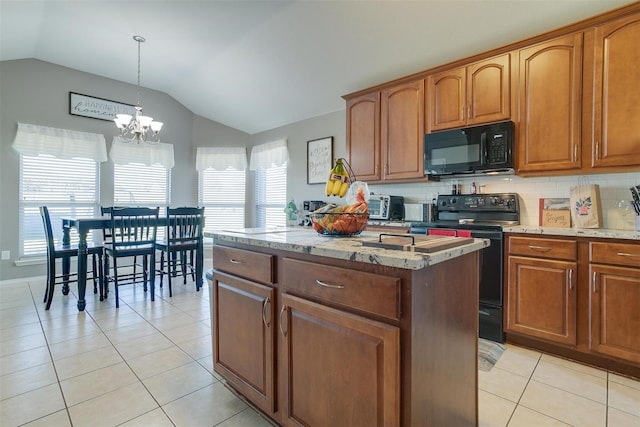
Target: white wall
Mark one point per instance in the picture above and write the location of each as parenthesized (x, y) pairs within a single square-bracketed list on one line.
[(613, 189)]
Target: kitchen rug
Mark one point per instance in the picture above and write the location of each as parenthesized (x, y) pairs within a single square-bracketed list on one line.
[(488, 353)]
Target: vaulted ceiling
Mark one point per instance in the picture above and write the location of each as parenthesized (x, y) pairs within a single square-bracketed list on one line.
[(256, 65)]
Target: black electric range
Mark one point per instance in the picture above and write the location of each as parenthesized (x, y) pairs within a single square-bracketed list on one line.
[(481, 216)]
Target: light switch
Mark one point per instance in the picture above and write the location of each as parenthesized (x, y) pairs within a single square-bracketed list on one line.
[(6, 255)]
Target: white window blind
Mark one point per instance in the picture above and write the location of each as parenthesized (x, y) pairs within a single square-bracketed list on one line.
[(139, 185), (69, 187), (271, 196), (222, 194)]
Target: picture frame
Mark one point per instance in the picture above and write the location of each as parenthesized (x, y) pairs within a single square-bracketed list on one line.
[(97, 108), (319, 160)]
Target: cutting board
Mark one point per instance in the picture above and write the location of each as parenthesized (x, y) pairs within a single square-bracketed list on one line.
[(426, 244)]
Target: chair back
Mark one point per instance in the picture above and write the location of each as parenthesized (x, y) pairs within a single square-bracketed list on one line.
[(133, 227), (184, 225), (48, 231)]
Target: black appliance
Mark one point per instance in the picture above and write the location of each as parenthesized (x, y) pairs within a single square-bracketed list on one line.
[(307, 207), (473, 150), (483, 215)]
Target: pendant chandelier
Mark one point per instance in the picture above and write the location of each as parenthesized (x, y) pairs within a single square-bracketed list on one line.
[(135, 128)]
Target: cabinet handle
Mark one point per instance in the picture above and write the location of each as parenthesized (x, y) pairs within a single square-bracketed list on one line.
[(594, 282), (597, 150), (626, 254), (264, 312), (575, 152), (327, 285), (570, 278), (282, 331), (234, 261), (540, 248)]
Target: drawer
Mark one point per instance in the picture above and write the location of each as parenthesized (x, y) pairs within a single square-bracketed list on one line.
[(251, 265), (543, 248), (615, 253), (367, 292)]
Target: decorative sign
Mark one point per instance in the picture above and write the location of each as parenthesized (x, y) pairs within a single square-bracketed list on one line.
[(555, 212), (319, 160), (97, 108)]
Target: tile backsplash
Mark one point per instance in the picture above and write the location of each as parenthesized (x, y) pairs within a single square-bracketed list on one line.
[(614, 193)]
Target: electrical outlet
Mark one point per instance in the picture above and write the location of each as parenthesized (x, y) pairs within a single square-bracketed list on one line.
[(6, 255)]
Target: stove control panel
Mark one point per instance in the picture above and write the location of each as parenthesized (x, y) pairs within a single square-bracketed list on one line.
[(503, 202)]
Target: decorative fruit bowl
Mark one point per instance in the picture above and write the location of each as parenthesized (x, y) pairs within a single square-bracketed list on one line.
[(339, 223)]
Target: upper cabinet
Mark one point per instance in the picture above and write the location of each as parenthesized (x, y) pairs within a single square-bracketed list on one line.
[(363, 136), (549, 103), (402, 131), (385, 133), (474, 94), (614, 62)]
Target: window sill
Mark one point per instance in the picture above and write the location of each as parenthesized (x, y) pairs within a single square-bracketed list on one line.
[(26, 262)]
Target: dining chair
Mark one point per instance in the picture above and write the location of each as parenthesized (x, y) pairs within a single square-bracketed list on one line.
[(65, 253), (107, 238), (182, 243), (133, 234)]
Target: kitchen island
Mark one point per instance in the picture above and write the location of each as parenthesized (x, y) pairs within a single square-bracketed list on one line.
[(315, 330)]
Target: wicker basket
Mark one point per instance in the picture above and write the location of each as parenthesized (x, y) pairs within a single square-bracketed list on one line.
[(339, 224)]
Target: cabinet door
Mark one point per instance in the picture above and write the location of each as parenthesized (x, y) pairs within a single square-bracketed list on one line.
[(615, 311), (549, 105), (446, 99), (338, 369), (542, 299), (489, 90), (363, 136), (616, 139), (402, 131), (244, 337)]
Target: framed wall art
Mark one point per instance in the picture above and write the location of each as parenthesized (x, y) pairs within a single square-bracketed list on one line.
[(97, 108), (319, 160)]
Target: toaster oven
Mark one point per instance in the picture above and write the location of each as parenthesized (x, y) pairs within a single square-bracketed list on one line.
[(386, 207)]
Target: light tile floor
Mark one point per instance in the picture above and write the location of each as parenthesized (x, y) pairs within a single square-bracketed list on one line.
[(150, 364)]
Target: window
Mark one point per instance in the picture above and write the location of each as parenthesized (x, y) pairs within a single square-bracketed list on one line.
[(271, 196), (69, 187), (139, 185), (222, 194)]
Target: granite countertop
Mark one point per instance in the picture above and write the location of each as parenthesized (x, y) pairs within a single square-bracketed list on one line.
[(306, 241), (575, 232)]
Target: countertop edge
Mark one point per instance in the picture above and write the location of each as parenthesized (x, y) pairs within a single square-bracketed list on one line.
[(346, 248), (575, 232)]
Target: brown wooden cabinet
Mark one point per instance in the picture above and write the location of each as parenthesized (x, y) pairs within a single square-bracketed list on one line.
[(402, 131), (350, 343), (244, 340), (363, 136), (614, 303), (576, 297), (613, 61), (470, 95), (542, 289), (339, 369), (385, 133), (549, 88)]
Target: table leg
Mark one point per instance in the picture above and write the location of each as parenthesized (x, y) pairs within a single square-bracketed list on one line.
[(82, 268), (199, 264), (66, 262)]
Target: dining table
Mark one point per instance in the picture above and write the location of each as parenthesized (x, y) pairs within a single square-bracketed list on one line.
[(83, 227)]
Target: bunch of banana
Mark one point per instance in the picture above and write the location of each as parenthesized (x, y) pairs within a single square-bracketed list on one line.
[(338, 182)]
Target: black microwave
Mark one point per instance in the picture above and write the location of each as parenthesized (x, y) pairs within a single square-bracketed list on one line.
[(470, 151)]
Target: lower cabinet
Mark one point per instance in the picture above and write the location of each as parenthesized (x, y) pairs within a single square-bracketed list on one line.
[(576, 297), (542, 299), (614, 303), (339, 369), (345, 343), (244, 340)]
